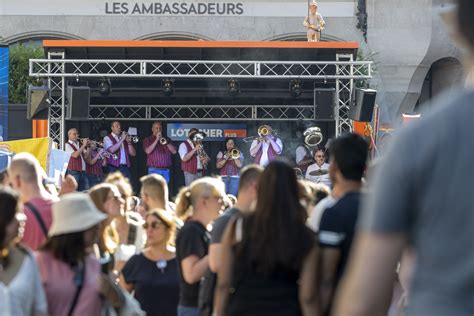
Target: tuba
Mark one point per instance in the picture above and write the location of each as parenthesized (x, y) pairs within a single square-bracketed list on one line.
[(312, 136)]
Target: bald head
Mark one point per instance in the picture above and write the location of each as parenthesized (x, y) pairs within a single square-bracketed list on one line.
[(27, 167)]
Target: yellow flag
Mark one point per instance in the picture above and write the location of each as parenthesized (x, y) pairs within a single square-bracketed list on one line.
[(38, 147)]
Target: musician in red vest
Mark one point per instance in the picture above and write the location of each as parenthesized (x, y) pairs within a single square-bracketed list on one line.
[(120, 144), (77, 165), (193, 157), (159, 151), (229, 163), (266, 147)]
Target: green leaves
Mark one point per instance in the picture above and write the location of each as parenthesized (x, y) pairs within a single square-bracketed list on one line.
[(19, 69)]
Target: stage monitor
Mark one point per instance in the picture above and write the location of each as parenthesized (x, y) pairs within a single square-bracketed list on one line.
[(37, 103), (363, 109), (79, 98)]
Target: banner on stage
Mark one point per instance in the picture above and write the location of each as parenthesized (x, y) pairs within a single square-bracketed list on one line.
[(214, 132), (58, 161), (38, 147)]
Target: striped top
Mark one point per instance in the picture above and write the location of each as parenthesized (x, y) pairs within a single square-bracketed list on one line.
[(95, 169), (160, 157)]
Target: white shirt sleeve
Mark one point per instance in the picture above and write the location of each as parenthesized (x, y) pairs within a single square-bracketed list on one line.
[(107, 142), (252, 146), (182, 150), (300, 154), (280, 144)]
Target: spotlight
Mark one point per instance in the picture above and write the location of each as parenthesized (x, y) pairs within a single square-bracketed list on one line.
[(296, 88), (167, 87), (233, 87), (104, 87)]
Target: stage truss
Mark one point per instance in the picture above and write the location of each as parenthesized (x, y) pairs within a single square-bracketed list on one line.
[(56, 69)]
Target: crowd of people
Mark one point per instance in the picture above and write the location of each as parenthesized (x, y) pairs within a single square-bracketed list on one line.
[(285, 246)]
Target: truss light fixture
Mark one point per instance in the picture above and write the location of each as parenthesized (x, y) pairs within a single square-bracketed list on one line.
[(296, 88), (167, 87), (233, 87), (105, 87)]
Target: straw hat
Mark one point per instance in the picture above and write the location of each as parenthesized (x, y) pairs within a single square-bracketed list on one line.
[(75, 212)]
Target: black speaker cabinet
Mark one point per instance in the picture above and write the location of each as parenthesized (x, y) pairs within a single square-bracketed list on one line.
[(37, 103), (324, 103), (363, 108), (79, 98)]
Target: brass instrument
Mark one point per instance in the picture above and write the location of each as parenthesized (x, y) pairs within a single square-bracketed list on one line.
[(163, 141), (197, 140), (263, 131), (312, 136), (106, 154), (135, 139), (234, 153)]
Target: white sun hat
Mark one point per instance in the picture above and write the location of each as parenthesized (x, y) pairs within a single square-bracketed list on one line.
[(74, 212)]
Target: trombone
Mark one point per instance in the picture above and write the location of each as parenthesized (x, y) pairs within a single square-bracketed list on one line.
[(233, 154)]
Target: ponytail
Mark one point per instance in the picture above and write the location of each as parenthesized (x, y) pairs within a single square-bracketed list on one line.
[(183, 203)]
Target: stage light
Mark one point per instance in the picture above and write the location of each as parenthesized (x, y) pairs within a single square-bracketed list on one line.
[(296, 88), (167, 87), (104, 87), (233, 87)]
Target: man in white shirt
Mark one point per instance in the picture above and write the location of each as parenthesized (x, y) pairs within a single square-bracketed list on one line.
[(319, 171), (77, 165), (266, 148), (119, 144), (192, 163)]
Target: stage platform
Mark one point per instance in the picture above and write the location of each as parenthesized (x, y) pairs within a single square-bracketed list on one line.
[(204, 50)]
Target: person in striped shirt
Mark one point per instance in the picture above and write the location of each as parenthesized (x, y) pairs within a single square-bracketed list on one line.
[(159, 151)]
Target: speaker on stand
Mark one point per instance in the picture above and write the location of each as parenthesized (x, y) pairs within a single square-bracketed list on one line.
[(79, 99)]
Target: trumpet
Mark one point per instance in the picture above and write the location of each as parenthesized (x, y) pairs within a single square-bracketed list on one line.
[(106, 154), (234, 153), (135, 139), (163, 141), (263, 131)]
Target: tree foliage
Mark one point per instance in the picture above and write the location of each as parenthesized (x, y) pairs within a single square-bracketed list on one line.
[(19, 70)]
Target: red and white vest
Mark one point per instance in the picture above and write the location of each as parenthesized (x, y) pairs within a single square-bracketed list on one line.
[(75, 164), (190, 165)]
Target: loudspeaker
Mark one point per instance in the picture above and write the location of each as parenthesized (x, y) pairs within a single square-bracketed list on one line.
[(363, 109), (79, 98), (324, 103), (37, 104)]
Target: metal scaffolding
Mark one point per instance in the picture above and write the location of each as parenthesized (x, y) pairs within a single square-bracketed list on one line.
[(57, 69)]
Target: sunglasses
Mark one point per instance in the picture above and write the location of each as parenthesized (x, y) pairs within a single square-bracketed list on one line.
[(153, 225)]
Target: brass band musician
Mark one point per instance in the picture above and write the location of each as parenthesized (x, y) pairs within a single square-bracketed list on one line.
[(319, 171), (77, 165), (194, 159), (229, 163), (314, 22), (266, 147)]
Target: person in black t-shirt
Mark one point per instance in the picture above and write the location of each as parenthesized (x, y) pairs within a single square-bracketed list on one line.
[(348, 160), (153, 274), (199, 204)]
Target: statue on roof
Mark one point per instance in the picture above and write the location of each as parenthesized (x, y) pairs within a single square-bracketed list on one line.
[(314, 22)]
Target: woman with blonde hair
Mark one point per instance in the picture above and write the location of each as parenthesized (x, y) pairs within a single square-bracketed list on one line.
[(199, 204), (128, 224), (108, 200), (153, 274)]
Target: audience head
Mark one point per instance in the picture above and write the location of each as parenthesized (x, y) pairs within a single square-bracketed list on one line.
[(321, 191), (74, 229), (160, 227), (107, 198), (8, 223), (248, 182), (348, 154), (4, 178), (25, 173), (123, 185), (205, 195), (154, 192)]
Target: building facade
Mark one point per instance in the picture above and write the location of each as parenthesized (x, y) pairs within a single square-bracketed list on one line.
[(414, 55)]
